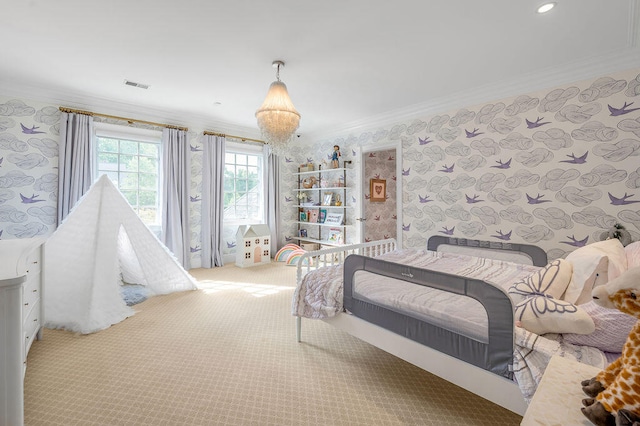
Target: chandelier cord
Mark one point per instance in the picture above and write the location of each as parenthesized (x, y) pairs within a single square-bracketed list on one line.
[(278, 72)]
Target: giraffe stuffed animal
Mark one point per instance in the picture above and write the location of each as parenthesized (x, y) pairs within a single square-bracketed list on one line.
[(615, 392)]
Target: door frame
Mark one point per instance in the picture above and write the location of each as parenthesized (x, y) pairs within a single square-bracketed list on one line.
[(361, 187)]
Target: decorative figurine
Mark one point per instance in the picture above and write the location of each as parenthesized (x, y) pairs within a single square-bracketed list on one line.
[(334, 157)]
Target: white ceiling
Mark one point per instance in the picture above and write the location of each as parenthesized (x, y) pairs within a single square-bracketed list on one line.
[(348, 62)]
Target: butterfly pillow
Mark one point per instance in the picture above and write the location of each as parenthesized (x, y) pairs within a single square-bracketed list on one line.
[(551, 280)]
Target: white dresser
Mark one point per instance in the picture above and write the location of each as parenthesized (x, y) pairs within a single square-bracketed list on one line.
[(21, 319)]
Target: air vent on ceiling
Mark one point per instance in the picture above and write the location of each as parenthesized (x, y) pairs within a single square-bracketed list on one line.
[(134, 84)]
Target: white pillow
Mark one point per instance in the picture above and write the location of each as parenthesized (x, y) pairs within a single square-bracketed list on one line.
[(594, 265), (544, 314), (632, 252), (553, 280), (612, 329), (589, 270), (617, 256)]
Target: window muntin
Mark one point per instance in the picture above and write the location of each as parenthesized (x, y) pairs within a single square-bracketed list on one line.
[(243, 191), (134, 167)]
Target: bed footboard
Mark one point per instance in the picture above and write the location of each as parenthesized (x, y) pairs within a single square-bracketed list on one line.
[(496, 355), (313, 260)]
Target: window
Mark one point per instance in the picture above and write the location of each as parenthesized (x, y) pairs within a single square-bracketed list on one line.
[(243, 191), (132, 163)]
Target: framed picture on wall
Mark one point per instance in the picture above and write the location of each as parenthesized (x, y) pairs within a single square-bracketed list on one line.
[(378, 190)]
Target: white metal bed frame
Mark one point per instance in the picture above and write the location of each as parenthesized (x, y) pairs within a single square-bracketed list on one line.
[(483, 383)]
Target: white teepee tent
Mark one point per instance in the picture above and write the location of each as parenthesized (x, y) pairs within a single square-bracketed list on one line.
[(102, 238)]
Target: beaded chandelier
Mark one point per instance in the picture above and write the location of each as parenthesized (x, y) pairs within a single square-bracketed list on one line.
[(277, 117)]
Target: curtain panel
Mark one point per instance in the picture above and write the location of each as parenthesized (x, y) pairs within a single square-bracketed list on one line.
[(175, 194), (272, 199), (75, 167), (213, 160)]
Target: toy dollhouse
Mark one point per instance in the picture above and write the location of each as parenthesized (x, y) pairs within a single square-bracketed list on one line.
[(253, 245)]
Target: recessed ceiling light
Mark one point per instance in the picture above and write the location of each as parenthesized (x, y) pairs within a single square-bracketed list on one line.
[(546, 7)]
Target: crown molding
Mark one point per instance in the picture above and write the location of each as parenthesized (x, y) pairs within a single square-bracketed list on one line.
[(622, 60), (634, 24), (123, 109)]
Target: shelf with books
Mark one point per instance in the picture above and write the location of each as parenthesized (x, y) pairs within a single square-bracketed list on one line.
[(321, 196), (316, 241)]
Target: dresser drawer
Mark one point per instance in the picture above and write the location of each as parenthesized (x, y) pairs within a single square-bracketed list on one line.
[(33, 261), (31, 326), (32, 288), (31, 292)]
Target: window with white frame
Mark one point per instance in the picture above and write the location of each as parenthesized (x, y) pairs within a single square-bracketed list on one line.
[(243, 185), (130, 157)]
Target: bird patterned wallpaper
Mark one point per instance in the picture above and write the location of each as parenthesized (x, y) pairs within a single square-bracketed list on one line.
[(381, 216), (554, 168), (29, 142), (28, 168)]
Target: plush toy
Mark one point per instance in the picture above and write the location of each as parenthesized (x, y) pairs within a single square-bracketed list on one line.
[(617, 231), (615, 392)]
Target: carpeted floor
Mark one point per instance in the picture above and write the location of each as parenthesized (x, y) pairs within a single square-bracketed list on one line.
[(227, 354)]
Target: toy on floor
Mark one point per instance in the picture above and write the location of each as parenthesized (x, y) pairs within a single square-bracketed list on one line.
[(615, 392)]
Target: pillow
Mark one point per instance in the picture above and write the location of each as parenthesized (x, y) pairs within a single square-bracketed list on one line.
[(544, 314), (632, 251), (612, 329), (594, 265), (553, 280), (589, 270), (617, 257)]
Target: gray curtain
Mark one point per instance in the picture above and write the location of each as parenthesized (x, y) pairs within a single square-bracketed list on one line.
[(272, 197), (213, 159), (175, 194), (75, 161)]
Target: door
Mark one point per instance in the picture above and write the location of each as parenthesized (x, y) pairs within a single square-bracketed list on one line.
[(380, 204)]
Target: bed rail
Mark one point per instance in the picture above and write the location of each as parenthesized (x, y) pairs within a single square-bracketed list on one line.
[(313, 260), (496, 355), (490, 249)]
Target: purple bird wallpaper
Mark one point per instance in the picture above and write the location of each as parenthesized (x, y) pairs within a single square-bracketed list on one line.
[(554, 168)]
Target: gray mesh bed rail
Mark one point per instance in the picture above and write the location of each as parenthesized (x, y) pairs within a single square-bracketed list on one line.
[(537, 256), (495, 356)]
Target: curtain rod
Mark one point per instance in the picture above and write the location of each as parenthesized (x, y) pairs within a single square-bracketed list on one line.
[(243, 139), (129, 120)]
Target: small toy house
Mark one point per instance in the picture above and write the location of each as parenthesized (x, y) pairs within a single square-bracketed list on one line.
[(253, 245)]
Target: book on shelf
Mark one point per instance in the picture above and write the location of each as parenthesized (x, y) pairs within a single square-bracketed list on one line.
[(335, 236), (334, 218), (314, 215), (322, 216)]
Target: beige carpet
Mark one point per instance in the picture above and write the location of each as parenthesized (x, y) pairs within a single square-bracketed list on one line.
[(227, 354)]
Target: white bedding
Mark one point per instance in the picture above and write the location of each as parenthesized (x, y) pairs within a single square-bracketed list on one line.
[(321, 292), (460, 314)]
